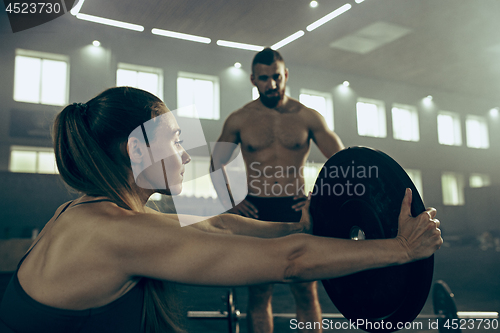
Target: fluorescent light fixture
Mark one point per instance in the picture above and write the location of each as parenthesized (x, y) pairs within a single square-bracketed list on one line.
[(96, 43), (329, 17), (180, 35), (477, 314), (76, 9), (241, 46), (113, 23), (288, 40), (346, 83), (359, 1), (237, 65), (313, 4)]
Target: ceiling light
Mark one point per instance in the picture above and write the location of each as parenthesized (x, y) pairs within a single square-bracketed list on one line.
[(329, 17), (346, 83), (113, 23), (429, 98), (359, 1), (96, 43), (237, 65), (477, 314), (313, 4), (494, 112), (241, 46), (288, 40), (179, 35), (76, 9)]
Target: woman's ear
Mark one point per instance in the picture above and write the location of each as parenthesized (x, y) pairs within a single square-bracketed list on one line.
[(136, 150)]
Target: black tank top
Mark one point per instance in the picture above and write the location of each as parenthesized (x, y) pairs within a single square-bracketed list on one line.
[(20, 313)]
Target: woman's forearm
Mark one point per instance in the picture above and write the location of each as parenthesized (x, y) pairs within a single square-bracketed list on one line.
[(313, 258)]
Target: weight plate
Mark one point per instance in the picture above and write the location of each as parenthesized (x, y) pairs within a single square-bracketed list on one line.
[(443, 302), (358, 195)]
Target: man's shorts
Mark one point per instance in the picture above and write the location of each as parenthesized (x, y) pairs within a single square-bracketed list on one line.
[(275, 209)]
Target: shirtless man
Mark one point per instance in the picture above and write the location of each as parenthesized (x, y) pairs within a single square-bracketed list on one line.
[(275, 133)]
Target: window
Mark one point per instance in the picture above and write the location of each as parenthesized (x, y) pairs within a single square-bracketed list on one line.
[(201, 91), (32, 160), (321, 102), (311, 171), (371, 118), (197, 180), (479, 180), (416, 178), (405, 122), (142, 77), (477, 132), (41, 78), (199, 183), (453, 188), (449, 132), (255, 92)]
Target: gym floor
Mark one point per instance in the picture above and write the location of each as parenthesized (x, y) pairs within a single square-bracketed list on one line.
[(472, 274)]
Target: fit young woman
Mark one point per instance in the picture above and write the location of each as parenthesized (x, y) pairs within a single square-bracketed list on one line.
[(103, 263)]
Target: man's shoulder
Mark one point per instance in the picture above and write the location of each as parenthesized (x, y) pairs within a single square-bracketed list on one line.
[(244, 111), (295, 105), (250, 106)]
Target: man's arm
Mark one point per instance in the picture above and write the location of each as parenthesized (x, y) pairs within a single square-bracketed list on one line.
[(220, 156), (327, 141), (222, 153)]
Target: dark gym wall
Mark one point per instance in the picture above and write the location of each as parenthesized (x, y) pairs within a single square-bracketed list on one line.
[(93, 70)]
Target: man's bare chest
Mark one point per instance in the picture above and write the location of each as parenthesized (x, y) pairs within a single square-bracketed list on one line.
[(289, 133)]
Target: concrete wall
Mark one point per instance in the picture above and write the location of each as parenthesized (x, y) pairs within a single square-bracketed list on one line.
[(93, 70)]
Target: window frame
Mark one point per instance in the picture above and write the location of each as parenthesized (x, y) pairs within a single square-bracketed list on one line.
[(415, 122), (485, 140), (42, 56), (457, 128), (37, 151), (485, 179), (461, 185), (330, 121), (143, 69), (382, 117), (216, 98), (418, 181)]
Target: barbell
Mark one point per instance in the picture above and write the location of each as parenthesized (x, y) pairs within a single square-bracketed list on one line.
[(357, 195), (445, 312)]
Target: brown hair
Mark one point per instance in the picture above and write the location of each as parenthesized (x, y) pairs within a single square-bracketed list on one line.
[(266, 57), (89, 144)]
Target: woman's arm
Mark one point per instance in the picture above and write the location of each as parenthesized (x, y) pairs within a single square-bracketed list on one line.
[(147, 245), (239, 225)]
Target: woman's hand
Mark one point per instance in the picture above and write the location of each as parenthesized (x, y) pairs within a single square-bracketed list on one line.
[(420, 236)]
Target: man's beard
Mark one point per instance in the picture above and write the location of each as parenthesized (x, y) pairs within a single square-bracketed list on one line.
[(271, 102)]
